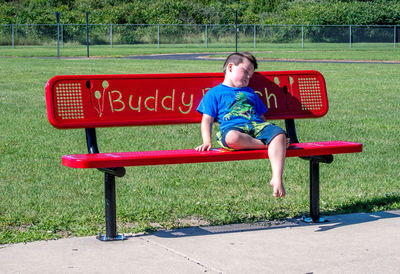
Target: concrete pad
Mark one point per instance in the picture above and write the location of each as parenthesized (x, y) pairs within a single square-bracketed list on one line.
[(352, 243), (89, 255)]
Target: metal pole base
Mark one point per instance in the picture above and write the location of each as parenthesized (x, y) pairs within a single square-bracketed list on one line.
[(310, 220), (105, 238)]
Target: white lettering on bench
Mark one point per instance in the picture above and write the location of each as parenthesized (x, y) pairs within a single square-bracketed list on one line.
[(150, 103), (268, 97), (116, 100), (190, 105), (204, 90), (155, 99), (172, 98), (138, 105)]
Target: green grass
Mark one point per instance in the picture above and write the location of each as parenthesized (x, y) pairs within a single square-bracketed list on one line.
[(41, 199), (353, 54), (359, 51)]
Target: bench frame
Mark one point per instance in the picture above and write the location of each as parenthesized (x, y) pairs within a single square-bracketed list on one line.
[(111, 173), (119, 171)]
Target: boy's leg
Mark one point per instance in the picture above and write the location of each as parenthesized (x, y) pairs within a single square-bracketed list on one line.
[(239, 140), (277, 155)]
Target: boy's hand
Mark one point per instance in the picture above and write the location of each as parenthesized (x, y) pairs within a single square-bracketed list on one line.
[(206, 128), (204, 147)]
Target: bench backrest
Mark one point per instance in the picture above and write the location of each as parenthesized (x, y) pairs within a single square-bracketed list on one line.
[(90, 101)]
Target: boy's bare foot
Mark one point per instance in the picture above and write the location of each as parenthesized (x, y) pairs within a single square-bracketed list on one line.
[(279, 190)]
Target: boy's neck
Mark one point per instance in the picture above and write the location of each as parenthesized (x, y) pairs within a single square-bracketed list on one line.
[(229, 83)]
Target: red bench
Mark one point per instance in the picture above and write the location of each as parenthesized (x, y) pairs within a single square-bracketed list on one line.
[(92, 101)]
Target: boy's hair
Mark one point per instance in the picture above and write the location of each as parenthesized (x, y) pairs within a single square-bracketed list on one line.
[(237, 58)]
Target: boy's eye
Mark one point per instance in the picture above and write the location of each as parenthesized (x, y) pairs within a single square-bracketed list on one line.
[(248, 73)]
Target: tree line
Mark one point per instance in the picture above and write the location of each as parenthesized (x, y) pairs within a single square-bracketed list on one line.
[(301, 12)]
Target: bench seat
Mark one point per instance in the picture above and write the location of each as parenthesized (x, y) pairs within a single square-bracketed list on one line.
[(185, 156)]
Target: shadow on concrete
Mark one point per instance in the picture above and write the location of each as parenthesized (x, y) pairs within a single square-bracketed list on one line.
[(332, 222), (357, 218), (369, 205)]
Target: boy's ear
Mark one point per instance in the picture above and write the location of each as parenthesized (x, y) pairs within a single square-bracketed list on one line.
[(229, 67)]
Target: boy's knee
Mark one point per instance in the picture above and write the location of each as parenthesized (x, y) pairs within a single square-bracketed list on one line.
[(232, 138)]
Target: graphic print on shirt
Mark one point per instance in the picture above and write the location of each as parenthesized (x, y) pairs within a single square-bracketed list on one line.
[(240, 108)]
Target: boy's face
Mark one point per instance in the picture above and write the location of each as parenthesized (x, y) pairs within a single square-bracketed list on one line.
[(239, 76)]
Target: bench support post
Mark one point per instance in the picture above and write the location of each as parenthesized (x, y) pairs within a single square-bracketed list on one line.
[(291, 130), (109, 190), (111, 210), (110, 205), (314, 174), (314, 191), (314, 187)]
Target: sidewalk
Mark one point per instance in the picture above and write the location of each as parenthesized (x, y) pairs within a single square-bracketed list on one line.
[(353, 243)]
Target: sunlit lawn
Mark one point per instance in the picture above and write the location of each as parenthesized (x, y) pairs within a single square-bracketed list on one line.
[(41, 199)]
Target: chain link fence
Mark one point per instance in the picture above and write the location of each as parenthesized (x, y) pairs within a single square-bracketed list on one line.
[(208, 36)]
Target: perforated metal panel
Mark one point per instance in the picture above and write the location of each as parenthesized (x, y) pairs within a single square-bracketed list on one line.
[(310, 93), (69, 101)]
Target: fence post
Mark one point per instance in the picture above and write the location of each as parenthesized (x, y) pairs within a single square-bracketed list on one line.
[(236, 30), (394, 35), (62, 36), (255, 34), (302, 36), (58, 33), (158, 35), (111, 35), (87, 33), (350, 35), (12, 35), (206, 36)]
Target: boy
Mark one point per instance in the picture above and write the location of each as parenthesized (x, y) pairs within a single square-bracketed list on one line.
[(240, 112)]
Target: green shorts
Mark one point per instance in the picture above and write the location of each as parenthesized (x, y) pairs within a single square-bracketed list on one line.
[(264, 132)]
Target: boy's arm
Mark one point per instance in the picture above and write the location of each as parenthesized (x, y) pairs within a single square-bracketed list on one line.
[(206, 129)]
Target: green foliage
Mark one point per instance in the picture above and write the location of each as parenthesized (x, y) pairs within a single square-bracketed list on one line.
[(202, 11), (7, 13), (342, 13)]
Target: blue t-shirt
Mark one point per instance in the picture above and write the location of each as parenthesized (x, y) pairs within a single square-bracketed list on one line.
[(232, 106)]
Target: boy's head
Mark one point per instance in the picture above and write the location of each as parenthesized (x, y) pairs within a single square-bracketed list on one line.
[(238, 69), (238, 57)]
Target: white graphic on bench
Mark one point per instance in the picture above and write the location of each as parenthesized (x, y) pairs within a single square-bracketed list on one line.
[(98, 100)]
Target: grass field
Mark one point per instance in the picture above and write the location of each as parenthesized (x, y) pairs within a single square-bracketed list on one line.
[(337, 51), (41, 199)]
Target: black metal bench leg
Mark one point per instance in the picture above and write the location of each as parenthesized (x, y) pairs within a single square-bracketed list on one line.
[(110, 205), (314, 191), (314, 187), (111, 210)]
